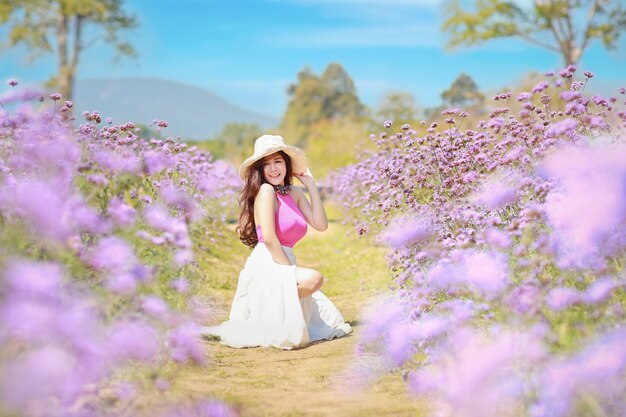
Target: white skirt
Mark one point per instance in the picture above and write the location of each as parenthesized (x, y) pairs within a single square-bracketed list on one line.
[(266, 310)]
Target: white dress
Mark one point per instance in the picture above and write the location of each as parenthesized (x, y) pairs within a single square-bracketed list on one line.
[(266, 310)]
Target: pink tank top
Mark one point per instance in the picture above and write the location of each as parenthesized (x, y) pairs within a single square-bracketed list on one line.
[(290, 223)]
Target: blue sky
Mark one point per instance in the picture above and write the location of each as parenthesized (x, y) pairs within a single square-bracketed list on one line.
[(249, 51)]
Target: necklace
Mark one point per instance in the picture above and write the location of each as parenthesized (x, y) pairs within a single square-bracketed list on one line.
[(282, 189)]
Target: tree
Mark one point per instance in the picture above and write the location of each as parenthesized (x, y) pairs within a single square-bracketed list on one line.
[(315, 98), (463, 93), (49, 26), (239, 140), (339, 94), (326, 153), (399, 107), (563, 26)]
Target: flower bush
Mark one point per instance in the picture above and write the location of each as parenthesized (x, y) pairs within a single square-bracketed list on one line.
[(507, 241), (100, 229)]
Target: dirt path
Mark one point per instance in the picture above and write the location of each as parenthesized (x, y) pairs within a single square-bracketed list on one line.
[(321, 379)]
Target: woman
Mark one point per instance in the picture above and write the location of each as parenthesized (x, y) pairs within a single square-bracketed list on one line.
[(278, 303)]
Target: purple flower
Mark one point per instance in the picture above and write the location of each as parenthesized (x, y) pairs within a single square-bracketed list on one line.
[(121, 213), (132, 340), (561, 128), (215, 409), (428, 328), (570, 95), (479, 374), (524, 298), (120, 282), (158, 218), (41, 207), (112, 254), (34, 279), (185, 345), (592, 182), (377, 317), (599, 291), (399, 343), (183, 257), (361, 229), (575, 108), (19, 96), (540, 87), (495, 194), (562, 297), (155, 161), (487, 271), (497, 238), (118, 162), (406, 232), (28, 319), (55, 96), (12, 82), (155, 306), (36, 376), (98, 179), (596, 373), (86, 219), (180, 284)]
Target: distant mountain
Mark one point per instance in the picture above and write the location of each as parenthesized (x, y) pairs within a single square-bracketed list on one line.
[(191, 112)]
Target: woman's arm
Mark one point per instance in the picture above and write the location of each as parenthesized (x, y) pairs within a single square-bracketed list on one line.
[(264, 207), (313, 212)]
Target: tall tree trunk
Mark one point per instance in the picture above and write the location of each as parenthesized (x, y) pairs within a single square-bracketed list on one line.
[(64, 76), (571, 54), (76, 50)]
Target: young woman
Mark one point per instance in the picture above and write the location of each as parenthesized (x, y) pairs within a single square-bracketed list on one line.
[(278, 303)]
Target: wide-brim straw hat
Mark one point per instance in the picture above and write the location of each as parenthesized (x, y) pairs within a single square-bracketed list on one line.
[(269, 144)]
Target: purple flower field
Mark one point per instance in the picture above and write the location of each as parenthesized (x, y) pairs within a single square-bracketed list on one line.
[(507, 245), (98, 232), (506, 236)]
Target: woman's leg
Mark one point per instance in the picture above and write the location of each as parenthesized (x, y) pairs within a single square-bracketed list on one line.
[(308, 281)]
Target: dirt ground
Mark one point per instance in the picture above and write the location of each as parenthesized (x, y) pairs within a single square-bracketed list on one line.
[(322, 379)]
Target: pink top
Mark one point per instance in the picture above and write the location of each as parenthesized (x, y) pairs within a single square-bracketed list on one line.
[(290, 223)]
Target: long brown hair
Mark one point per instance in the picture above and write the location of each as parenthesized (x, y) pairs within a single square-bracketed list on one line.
[(253, 179)]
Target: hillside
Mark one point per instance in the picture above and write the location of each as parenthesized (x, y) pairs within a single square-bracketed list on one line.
[(192, 112)]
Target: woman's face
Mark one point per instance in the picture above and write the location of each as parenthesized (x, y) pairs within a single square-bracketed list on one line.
[(275, 169)]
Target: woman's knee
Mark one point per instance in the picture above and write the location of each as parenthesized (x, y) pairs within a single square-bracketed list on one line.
[(318, 280), (311, 278)]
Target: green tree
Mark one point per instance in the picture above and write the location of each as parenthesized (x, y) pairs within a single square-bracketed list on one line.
[(238, 139), (58, 26), (562, 26), (315, 98), (399, 107), (325, 152), (463, 93)]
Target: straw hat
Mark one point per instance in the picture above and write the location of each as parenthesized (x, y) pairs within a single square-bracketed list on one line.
[(269, 144)]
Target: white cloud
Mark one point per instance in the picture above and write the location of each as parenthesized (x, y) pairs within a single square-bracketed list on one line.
[(363, 36), (266, 85), (385, 3)]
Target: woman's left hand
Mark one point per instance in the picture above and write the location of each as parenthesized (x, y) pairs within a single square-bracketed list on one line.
[(306, 178)]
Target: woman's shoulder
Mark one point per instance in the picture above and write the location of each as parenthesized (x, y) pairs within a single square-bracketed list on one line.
[(296, 194), (266, 190), (266, 193)]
